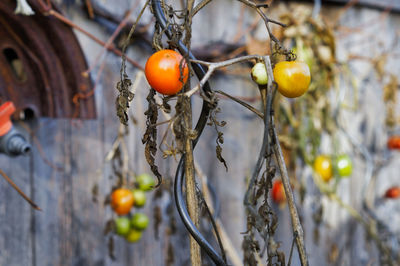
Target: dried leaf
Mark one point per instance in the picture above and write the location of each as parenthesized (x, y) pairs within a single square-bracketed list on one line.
[(150, 136)]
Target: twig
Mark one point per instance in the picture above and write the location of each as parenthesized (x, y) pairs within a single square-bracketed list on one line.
[(297, 228), (248, 106), (200, 6), (127, 40), (34, 205), (40, 148), (112, 37), (213, 66), (52, 12)]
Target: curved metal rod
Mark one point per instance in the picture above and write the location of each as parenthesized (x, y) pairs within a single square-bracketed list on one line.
[(201, 123)]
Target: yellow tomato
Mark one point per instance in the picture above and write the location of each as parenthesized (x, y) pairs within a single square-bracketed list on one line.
[(323, 166), (293, 78)]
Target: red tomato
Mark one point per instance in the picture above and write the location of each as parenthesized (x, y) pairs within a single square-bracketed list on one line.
[(392, 193), (278, 192), (166, 71), (122, 201), (393, 143)]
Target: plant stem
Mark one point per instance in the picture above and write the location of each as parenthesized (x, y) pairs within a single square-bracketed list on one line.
[(296, 225), (297, 228), (191, 196)]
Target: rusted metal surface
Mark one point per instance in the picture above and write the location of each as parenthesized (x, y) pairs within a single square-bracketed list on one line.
[(41, 65)]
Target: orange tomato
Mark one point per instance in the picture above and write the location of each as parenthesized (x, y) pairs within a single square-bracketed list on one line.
[(122, 201), (323, 166), (166, 71), (278, 192), (292, 77)]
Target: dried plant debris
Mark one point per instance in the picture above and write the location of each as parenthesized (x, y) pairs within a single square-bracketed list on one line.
[(220, 136), (150, 136), (123, 99)]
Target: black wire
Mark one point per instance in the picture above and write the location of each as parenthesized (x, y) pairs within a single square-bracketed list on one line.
[(201, 123)]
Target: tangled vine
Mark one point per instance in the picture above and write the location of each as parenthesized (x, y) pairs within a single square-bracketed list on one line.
[(260, 217)]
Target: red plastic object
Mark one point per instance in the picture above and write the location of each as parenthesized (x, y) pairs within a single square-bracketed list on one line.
[(6, 110)]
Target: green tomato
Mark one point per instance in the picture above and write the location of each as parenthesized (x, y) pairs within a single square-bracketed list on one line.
[(140, 197), (146, 182), (133, 236), (122, 225), (344, 165), (139, 221), (259, 74)]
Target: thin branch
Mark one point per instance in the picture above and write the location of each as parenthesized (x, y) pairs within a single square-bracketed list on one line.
[(297, 228), (213, 66), (127, 40), (296, 224), (112, 37), (248, 106), (200, 6), (33, 204), (49, 11)]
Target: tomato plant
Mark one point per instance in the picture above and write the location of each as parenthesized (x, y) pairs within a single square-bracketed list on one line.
[(278, 192), (145, 182), (392, 193), (140, 221), (122, 225), (344, 165), (133, 235), (323, 166), (122, 201), (140, 197), (292, 77), (259, 74), (166, 71), (393, 143)]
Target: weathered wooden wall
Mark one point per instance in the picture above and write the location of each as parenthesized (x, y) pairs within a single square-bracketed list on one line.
[(69, 230)]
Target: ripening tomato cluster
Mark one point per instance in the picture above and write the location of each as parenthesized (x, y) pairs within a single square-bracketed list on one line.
[(326, 166), (122, 201), (292, 77)]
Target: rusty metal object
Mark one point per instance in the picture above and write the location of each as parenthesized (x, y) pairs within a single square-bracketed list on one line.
[(41, 65)]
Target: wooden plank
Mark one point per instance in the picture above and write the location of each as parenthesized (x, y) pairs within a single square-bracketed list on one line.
[(53, 227), (15, 213)]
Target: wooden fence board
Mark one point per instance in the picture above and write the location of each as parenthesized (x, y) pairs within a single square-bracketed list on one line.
[(15, 213)]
